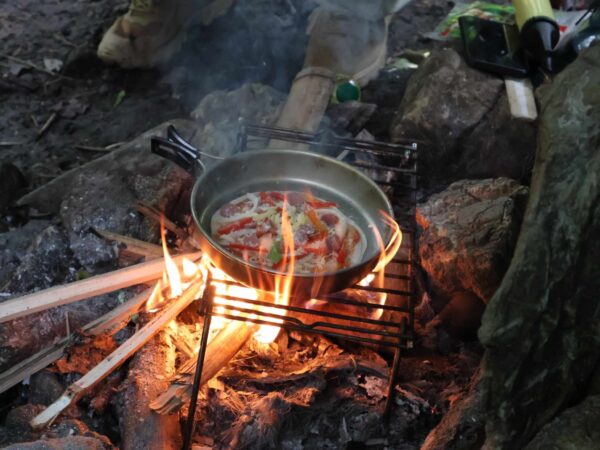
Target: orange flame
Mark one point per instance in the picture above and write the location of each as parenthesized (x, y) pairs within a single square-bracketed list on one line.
[(283, 284), (171, 268), (387, 253), (225, 291)]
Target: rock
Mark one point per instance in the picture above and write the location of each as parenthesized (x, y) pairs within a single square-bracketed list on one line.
[(18, 418), (221, 113), (574, 429), (103, 193), (44, 388), (467, 233), (11, 183), (463, 426), (461, 317), (45, 263), (498, 146), (67, 443), (348, 117), (462, 114), (540, 329), (85, 208), (14, 244), (386, 92)]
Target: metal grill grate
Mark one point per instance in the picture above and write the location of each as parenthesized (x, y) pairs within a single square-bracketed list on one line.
[(394, 168)]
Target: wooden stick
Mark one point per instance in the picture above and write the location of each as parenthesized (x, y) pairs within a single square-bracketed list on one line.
[(47, 125), (109, 323), (150, 251), (89, 287), (155, 214), (33, 66), (218, 353), (116, 358)]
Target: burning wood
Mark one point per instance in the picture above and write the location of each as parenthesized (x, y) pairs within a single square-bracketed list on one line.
[(116, 358), (149, 251), (89, 287), (218, 353), (109, 323)]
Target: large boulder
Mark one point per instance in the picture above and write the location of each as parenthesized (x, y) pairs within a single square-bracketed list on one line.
[(102, 194), (541, 329), (220, 115), (467, 234), (462, 116), (574, 429)]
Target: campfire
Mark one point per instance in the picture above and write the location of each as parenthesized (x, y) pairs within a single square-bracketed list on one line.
[(376, 311)]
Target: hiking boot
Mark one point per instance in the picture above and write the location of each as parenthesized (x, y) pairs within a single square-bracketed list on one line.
[(152, 31)]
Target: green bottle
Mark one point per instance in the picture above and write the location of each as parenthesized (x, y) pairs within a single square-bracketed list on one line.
[(345, 90)]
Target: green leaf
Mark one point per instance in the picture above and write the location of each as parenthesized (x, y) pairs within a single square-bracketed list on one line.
[(119, 98), (82, 274), (275, 253)]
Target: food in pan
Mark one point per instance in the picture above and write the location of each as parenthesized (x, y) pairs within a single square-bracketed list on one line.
[(254, 227)]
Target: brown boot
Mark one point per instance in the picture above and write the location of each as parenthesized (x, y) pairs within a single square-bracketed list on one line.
[(152, 31)]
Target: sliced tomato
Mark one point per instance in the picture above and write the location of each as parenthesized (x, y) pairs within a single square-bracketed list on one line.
[(266, 198), (276, 196), (251, 248)]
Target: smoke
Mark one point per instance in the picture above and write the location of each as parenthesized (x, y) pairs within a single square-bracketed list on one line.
[(254, 41)]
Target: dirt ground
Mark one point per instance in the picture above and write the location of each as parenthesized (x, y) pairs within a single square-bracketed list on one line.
[(97, 105)]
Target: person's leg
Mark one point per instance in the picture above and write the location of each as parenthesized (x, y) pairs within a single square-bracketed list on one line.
[(152, 31)]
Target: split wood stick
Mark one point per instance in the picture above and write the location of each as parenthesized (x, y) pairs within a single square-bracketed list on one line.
[(152, 213), (116, 358), (150, 251), (110, 323), (89, 287), (218, 353)]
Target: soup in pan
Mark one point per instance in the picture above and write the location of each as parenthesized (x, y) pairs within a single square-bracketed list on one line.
[(258, 227)]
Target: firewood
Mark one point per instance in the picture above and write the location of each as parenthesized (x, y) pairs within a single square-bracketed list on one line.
[(89, 287), (149, 251), (153, 213), (110, 323), (116, 358), (148, 374), (218, 353)]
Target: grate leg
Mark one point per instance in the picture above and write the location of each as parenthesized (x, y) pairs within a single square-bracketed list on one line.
[(207, 300), (391, 384)]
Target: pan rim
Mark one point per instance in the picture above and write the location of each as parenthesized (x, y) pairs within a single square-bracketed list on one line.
[(265, 152)]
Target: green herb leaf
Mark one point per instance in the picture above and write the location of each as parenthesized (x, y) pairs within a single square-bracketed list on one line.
[(275, 253), (119, 98)]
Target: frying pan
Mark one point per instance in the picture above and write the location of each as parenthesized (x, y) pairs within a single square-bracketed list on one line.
[(358, 198)]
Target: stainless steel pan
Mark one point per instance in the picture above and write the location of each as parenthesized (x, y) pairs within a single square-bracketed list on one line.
[(278, 170)]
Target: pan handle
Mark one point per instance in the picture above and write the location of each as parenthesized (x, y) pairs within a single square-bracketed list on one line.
[(176, 149)]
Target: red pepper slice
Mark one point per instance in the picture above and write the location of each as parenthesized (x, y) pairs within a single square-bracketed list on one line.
[(341, 257), (317, 204), (235, 226), (320, 226)]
